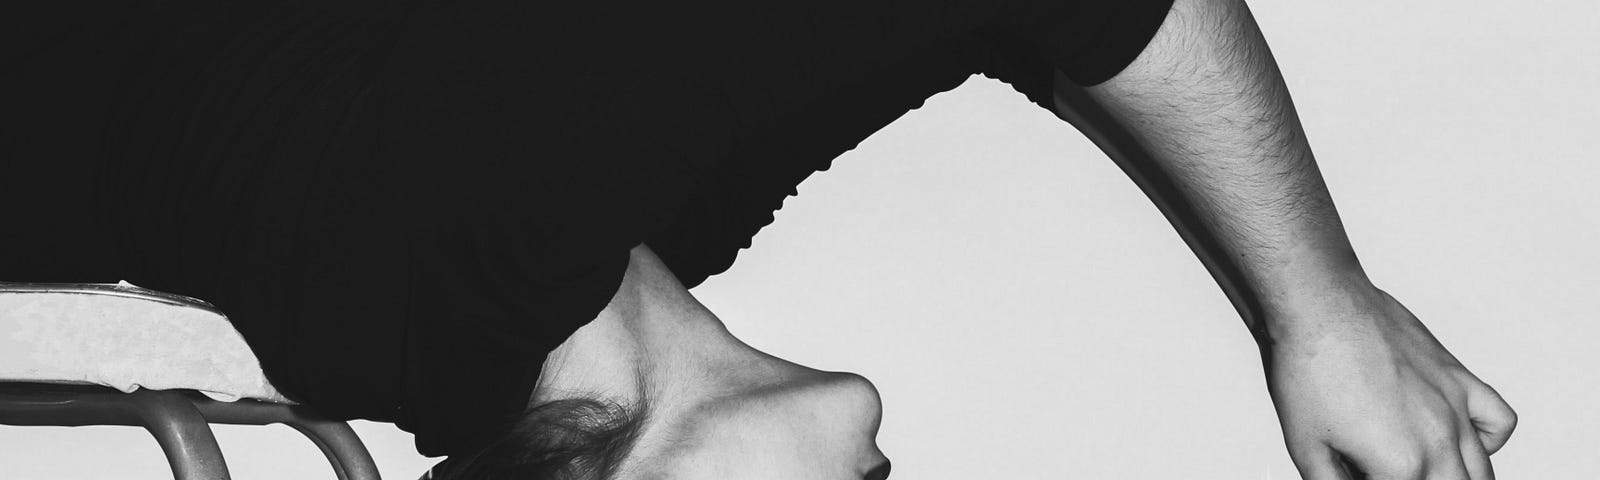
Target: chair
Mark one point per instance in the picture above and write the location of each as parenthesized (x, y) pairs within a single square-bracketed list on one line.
[(104, 373)]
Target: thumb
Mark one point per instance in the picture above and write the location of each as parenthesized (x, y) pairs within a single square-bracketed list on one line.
[(1491, 416)]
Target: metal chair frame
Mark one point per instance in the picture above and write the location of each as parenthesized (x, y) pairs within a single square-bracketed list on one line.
[(179, 419)]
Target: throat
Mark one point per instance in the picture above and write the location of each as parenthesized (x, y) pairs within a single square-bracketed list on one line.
[(652, 341)]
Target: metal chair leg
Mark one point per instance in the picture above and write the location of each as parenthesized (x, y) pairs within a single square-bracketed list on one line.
[(344, 450), (339, 443), (180, 421), (184, 435)]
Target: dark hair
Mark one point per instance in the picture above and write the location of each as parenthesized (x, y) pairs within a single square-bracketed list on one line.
[(570, 439)]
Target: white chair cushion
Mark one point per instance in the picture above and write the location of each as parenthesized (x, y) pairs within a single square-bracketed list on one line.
[(126, 343)]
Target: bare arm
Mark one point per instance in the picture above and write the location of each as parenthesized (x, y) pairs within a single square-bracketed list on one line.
[(1203, 123)]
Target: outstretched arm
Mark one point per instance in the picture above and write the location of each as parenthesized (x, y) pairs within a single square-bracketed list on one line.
[(1203, 123)]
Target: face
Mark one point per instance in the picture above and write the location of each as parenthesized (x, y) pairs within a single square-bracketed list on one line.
[(820, 426)]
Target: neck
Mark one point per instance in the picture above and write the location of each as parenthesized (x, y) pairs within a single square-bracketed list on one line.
[(654, 344)]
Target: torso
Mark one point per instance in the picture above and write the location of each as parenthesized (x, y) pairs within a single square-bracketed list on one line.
[(350, 184)]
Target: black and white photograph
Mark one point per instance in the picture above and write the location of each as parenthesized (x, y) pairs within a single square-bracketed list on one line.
[(811, 240)]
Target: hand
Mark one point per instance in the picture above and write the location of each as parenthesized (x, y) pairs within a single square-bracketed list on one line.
[(1368, 392)]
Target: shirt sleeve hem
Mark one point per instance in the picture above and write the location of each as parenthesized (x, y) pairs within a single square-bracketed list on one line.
[(1118, 43)]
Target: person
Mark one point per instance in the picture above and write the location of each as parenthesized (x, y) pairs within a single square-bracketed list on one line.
[(480, 219)]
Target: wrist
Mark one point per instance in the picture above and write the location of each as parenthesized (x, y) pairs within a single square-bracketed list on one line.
[(1312, 289)]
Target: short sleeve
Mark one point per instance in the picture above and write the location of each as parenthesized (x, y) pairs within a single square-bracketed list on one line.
[(1089, 42), (1091, 53)]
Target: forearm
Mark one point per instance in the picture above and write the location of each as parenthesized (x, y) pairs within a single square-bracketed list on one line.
[(1203, 122)]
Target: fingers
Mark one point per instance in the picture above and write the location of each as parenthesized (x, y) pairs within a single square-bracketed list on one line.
[(1449, 467), (1445, 460), (1469, 462), (1491, 416), (1319, 462), (1464, 460), (1476, 458)]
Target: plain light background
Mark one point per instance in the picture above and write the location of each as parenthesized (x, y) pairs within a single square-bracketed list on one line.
[(1027, 313)]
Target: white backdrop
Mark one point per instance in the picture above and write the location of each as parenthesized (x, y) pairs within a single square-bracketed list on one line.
[(1026, 313)]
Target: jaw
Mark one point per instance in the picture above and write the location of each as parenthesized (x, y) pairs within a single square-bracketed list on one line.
[(809, 425), (715, 406)]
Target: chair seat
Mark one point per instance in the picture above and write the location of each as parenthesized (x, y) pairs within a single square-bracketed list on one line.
[(156, 349), (125, 337)]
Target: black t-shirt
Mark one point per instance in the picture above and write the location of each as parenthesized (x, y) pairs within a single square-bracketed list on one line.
[(404, 205)]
